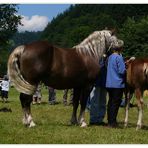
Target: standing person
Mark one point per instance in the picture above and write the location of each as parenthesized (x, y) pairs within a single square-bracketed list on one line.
[(52, 96), (65, 96), (115, 84), (0, 87), (37, 95), (98, 97), (5, 88)]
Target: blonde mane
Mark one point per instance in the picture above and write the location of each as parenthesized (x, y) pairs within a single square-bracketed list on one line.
[(94, 44)]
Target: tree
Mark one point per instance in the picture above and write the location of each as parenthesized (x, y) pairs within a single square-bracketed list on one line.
[(9, 22), (135, 35), (80, 20)]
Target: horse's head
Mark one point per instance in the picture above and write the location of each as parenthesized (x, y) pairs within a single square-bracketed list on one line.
[(99, 43), (112, 42)]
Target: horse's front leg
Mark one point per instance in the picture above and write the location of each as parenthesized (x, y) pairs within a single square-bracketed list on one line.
[(83, 101), (76, 99), (26, 102), (81, 120), (139, 96)]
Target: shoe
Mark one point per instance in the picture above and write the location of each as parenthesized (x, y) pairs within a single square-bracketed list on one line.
[(133, 105), (34, 102), (98, 123), (112, 125), (51, 103), (70, 104), (65, 103), (39, 102)]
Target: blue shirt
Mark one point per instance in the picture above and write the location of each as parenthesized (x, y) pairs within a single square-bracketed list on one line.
[(115, 71)]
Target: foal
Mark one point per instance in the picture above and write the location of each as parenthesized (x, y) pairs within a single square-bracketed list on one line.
[(137, 81)]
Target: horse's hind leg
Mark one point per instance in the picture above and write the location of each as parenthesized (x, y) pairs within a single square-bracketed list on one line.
[(139, 96), (25, 102), (76, 98)]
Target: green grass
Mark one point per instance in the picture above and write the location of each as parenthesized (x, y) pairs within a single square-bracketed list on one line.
[(53, 125)]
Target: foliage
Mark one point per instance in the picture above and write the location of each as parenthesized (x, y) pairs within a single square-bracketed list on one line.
[(77, 22), (21, 38), (4, 54), (135, 36), (53, 125), (16, 40), (8, 22)]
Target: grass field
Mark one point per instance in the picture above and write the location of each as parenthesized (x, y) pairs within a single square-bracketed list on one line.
[(53, 125)]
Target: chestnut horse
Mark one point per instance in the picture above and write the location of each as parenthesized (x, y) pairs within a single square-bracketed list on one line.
[(137, 82), (59, 68)]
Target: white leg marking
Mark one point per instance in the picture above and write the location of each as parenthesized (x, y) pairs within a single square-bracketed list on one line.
[(126, 117), (140, 115)]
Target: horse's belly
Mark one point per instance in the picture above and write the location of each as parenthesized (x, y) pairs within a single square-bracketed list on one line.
[(67, 83)]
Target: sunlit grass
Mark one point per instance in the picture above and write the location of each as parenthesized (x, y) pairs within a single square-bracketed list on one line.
[(53, 125)]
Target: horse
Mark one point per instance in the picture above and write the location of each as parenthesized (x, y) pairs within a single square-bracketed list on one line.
[(60, 68), (137, 82)]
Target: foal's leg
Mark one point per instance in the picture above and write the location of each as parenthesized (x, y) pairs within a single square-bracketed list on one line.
[(76, 98), (139, 96), (25, 102), (127, 102)]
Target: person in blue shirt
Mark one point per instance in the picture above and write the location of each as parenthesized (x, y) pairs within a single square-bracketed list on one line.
[(98, 97), (115, 84)]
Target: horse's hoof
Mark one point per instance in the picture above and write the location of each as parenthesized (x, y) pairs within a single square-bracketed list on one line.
[(74, 122), (83, 124), (138, 127), (32, 124), (125, 125)]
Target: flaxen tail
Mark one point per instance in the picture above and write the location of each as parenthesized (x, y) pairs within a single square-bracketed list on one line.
[(15, 75)]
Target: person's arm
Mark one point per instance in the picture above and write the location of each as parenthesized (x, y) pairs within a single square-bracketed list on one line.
[(120, 65)]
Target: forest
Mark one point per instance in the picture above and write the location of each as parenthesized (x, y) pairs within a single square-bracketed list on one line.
[(75, 24)]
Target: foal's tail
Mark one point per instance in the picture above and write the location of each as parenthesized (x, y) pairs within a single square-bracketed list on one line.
[(15, 75), (145, 69)]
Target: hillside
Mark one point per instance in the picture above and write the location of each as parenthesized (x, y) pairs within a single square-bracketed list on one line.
[(77, 22)]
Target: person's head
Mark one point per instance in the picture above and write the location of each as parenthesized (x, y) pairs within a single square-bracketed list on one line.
[(117, 50), (5, 77)]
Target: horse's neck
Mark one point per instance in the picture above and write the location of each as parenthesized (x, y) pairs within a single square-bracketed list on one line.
[(94, 46), (96, 53)]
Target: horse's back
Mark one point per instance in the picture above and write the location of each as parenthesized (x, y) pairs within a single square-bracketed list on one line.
[(57, 67), (139, 73)]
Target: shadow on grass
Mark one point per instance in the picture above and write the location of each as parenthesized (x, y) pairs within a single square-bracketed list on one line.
[(132, 125)]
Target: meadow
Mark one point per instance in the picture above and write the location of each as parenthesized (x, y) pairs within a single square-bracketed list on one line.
[(53, 125)]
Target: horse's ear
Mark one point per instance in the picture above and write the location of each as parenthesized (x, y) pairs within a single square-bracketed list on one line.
[(113, 31), (129, 61)]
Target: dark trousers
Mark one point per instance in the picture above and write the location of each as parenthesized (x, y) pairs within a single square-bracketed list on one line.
[(4, 94), (52, 94), (115, 97), (65, 96)]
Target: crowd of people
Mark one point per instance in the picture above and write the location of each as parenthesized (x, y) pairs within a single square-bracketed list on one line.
[(111, 81)]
